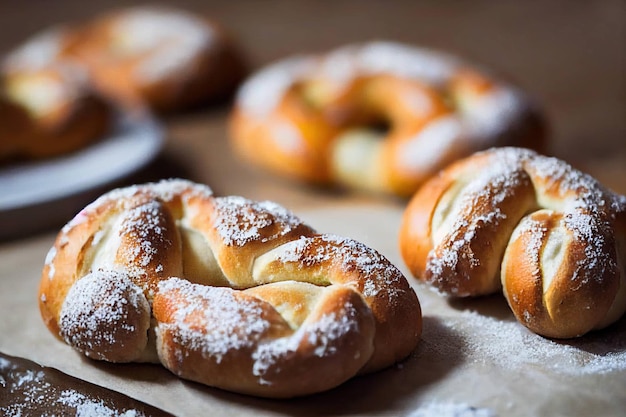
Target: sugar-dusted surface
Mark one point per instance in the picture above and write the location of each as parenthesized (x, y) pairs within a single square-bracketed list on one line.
[(380, 275), (480, 119), (240, 221), (168, 40), (28, 389), (103, 310), (461, 342), (587, 209), (505, 344), (212, 320)]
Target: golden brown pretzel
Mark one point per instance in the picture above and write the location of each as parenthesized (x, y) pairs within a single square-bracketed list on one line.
[(50, 110), (161, 57), (228, 292), (314, 118), (550, 236)]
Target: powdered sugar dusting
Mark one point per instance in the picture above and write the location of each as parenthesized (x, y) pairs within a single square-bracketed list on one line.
[(586, 208), (213, 320), (481, 197), (381, 277), (172, 39), (30, 392), (423, 152), (484, 117), (262, 93), (98, 308), (145, 225), (449, 409), (584, 204), (511, 347), (240, 221), (322, 334)]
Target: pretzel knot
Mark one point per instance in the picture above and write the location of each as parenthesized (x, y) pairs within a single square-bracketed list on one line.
[(550, 236), (378, 116), (225, 291)]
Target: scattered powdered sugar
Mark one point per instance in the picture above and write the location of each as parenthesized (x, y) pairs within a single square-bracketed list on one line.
[(379, 275), (261, 93), (423, 152), (240, 221), (213, 320), (145, 224), (172, 39), (509, 345), (32, 391), (583, 203), (586, 207), (482, 197), (491, 114), (448, 409), (87, 407), (164, 190), (98, 308), (483, 119), (323, 334)]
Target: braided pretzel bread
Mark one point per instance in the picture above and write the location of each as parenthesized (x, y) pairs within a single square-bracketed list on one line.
[(166, 58), (314, 118), (49, 111), (552, 237), (228, 292), (159, 57)]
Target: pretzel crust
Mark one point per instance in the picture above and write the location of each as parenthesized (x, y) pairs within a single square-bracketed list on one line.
[(232, 293), (50, 111), (551, 237), (313, 118)]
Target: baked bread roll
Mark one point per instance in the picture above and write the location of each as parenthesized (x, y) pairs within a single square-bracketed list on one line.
[(378, 116), (162, 57), (228, 292), (550, 236), (49, 111)]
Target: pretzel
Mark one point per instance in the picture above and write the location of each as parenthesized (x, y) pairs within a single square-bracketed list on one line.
[(232, 293), (162, 57), (49, 111), (550, 236), (317, 118)]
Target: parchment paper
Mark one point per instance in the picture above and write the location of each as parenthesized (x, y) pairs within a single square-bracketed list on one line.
[(473, 357)]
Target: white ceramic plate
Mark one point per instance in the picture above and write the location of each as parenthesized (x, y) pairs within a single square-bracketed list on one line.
[(132, 143)]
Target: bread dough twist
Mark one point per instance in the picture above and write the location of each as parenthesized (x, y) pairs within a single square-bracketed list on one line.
[(550, 236), (225, 291)]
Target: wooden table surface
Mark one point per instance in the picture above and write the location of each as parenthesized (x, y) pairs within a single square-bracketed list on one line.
[(570, 55)]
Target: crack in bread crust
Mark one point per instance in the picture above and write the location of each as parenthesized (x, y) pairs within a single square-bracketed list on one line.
[(225, 291), (546, 234)]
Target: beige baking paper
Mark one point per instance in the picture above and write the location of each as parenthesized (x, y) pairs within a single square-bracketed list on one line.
[(473, 356)]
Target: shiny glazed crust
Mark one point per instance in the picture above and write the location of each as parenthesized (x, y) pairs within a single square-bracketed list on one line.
[(313, 118), (550, 236), (232, 293)]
